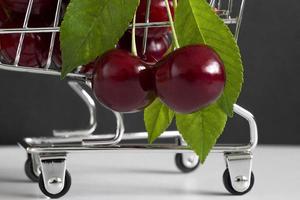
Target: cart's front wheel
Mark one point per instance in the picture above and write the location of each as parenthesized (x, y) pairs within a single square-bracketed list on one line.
[(186, 162), (66, 188), (229, 187), (28, 167)]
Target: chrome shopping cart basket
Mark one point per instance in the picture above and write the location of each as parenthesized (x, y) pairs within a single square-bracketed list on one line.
[(46, 163)]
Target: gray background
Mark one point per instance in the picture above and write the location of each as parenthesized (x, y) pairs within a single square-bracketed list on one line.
[(270, 39)]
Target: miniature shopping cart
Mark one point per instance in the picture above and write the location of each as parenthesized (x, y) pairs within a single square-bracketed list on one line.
[(46, 163)]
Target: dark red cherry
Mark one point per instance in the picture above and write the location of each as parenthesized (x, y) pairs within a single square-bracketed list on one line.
[(156, 47), (158, 13), (4, 16), (190, 78), (120, 81), (35, 47), (39, 7), (88, 69)]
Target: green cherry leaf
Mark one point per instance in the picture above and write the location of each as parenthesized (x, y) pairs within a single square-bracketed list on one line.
[(158, 118), (197, 23), (91, 27), (201, 130)]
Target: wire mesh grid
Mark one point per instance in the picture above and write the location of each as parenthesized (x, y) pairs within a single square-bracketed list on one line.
[(224, 8)]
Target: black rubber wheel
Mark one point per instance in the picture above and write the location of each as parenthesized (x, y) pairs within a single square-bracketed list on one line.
[(68, 182), (228, 185), (179, 163), (28, 167)]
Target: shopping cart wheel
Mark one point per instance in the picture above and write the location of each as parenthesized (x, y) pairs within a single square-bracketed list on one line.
[(29, 170), (229, 187), (67, 185), (186, 162)]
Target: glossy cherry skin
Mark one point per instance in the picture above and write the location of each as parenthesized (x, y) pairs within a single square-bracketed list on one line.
[(156, 47), (158, 13), (35, 45), (190, 78), (120, 82), (39, 7)]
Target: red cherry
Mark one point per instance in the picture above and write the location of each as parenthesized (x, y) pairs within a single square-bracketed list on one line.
[(190, 78), (4, 16), (35, 45), (120, 81), (88, 69), (156, 47), (39, 7), (158, 13)]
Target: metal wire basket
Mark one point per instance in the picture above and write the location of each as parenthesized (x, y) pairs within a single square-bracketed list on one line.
[(46, 161)]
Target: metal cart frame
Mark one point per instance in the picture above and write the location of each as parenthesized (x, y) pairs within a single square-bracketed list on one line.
[(47, 156)]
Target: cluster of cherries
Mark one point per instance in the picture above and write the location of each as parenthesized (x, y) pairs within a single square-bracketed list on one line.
[(187, 79), (35, 48), (35, 45)]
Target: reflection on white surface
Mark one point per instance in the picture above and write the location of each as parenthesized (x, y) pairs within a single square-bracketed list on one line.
[(154, 176)]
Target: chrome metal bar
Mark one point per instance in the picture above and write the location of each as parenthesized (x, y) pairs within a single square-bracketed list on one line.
[(79, 139), (98, 142), (212, 3), (167, 24), (239, 20), (73, 76), (132, 148), (219, 4), (55, 24), (29, 30), (22, 36), (113, 141), (229, 9), (90, 103), (252, 125), (150, 25), (57, 29)]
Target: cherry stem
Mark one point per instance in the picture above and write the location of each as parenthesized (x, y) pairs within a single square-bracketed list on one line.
[(172, 24), (133, 41), (175, 3)]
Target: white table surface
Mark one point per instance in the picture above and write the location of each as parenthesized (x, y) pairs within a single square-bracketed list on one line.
[(154, 176)]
